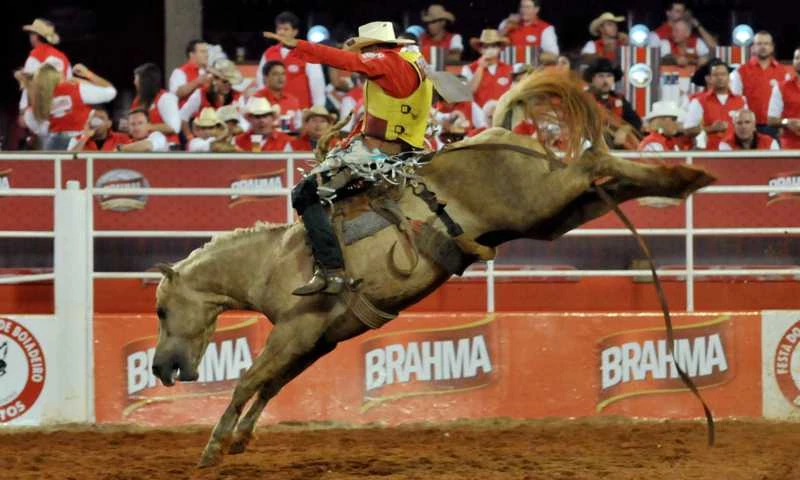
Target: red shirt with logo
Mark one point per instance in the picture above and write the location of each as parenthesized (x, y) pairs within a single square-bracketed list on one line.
[(249, 142), (757, 85), (689, 50), (524, 35), (790, 91), (668, 144), (427, 42), (68, 113), (296, 78), (493, 85), (714, 111), (43, 51)]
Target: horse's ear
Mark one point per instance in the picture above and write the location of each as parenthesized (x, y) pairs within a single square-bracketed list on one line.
[(167, 270)]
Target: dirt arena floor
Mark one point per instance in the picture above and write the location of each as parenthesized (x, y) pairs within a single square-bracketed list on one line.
[(582, 449)]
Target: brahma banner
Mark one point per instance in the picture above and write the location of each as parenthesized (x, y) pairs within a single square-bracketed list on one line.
[(438, 367)]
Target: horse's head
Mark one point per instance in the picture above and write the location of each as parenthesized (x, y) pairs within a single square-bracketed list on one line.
[(186, 320)]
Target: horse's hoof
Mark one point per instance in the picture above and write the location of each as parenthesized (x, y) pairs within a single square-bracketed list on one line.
[(210, 458), (239, 445)]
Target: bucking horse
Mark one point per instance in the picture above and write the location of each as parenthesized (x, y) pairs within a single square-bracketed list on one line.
[(464, 201)]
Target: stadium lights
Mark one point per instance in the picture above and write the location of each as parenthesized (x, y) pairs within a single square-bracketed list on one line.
[(639, 75), (639, 35), (415, 30), (743, 35), (317, 34)]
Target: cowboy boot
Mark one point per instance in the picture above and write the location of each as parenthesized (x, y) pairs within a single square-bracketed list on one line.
[(330, 283)]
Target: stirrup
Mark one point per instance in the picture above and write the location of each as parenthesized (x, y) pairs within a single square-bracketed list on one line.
[(330, 283)]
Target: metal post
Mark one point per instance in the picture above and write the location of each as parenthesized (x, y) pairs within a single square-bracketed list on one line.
[(72, 311), (89, 225), (289, 186), (689, 249), (490, 286)]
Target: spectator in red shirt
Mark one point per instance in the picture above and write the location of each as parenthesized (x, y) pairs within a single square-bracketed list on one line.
[(316, 121), (161, 105), (192, 75), (713, 110), (784, 107), (262, 135), (219, 93), (143, 137), (609, 37), (275, 92), (43, 37), (602, 75), (488, 77), (526, 28), (436, 20), (677, 11), (756, 78), (97, 134), (662, 122), (305, 80), (744, 135), (683, 48)]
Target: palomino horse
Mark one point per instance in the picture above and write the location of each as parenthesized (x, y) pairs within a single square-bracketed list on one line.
[(497, 186)]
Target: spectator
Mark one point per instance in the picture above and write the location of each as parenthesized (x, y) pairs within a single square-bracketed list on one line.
[(756, 78), (60, 108), (218, 93), (229, 115), (744, 135), (436, 20), (784, 107), (305, 81), (677, 11), (662, 122), (97, 134), (316, 121), (683, 48), (276, 94), (602, 75), (339, 86), (145, 139), (208, 130), (488, 77), (713, 110), (609, 37), (161, 105), (43, 37), (526, 28), (262, 136), (191, 75)]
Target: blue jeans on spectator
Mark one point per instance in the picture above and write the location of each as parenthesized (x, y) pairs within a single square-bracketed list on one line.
[(55, 141), (766, 129)]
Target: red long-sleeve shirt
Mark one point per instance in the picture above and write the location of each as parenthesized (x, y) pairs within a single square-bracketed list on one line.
[(386, 68)]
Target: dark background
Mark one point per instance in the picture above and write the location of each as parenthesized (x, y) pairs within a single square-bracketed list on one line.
[(114, 37)]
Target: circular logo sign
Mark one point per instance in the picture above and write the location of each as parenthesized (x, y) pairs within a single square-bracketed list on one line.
[(787, 364), (530, 38), (122, 178), (293, 68), (22, 370)]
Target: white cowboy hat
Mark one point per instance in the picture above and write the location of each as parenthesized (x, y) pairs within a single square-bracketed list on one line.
[(227, 113), (374, 33), (437, 12), (45, 28), (488, 36), (664, 108), (318, 111), (226, 69), (594, 27), (261, 106), (208, 118)]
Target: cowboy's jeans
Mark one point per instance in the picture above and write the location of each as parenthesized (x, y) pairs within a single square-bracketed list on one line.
[(324, 245)]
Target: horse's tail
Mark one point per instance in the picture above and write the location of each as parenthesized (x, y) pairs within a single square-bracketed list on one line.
[(555, 97)]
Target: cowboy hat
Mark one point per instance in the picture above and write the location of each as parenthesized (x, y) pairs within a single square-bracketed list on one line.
[(45, 29), (664, 108), (226, 70), (437, 12), (374, 33), (601, 65), (594, 27), (228, 113), (488, 36), (208, 118), (261, 106), (318, 111), (699, 76)]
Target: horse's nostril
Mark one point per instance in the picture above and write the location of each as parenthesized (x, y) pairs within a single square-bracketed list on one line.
[(156, 370)]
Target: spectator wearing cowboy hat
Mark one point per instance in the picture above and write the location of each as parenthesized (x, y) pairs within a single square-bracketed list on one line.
[(662, 122), (229, 115), (488, 77), (713, 110), (43, 38), (316, 121), (144, 139), (304, 80), (609, 37), (683, 48), (208, 130), (161, 105), (602, 75), (744, 135), (192, 75), (526, 28), (784, 107), (275, 91), (262, 135), (218, 93), (436, 20)]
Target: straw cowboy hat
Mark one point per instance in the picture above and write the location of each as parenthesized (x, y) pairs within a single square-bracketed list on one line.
[(488, 36), (228, 113), (261, 106), (437, 12), (226, 69), (374, 33), (208, 118), (45, 29), (594, 27), (318, 111), (601, 65), (664, 108)]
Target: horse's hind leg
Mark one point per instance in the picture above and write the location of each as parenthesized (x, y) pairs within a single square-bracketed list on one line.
[(245, 427)]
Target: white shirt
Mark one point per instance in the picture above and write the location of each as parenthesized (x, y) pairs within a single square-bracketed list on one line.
[(775, 108), (200, 144), (702, 48), (158, 141), (723, 146), (456, 43), (316, 79), (167, 106)]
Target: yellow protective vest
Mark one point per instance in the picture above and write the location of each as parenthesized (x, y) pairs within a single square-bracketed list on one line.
[(403, 119)]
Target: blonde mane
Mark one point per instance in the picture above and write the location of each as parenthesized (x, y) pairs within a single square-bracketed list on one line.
[(224, 239)]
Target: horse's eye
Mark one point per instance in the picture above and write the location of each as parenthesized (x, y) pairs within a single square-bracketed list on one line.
[(162, 313)]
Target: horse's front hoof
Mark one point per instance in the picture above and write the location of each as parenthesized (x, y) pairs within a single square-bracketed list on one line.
[(211, 457), (239, 444)]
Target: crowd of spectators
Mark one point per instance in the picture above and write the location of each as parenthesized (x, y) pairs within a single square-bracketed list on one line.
[(206, 104)]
